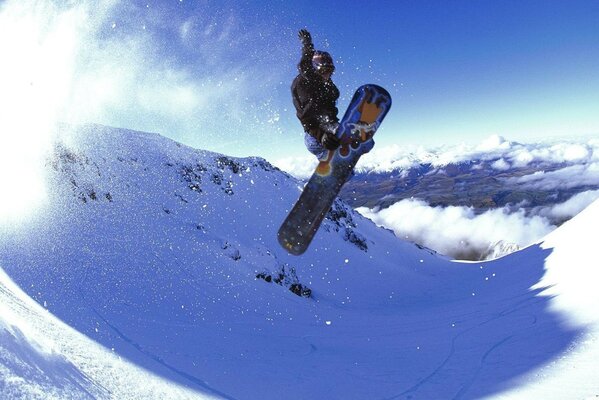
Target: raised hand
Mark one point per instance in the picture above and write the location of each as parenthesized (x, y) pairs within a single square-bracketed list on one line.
[(305, 37)]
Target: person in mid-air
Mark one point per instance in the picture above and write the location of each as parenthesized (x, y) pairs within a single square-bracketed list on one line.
[(315, 97)]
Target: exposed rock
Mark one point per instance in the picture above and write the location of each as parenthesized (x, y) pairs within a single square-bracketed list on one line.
[(286, 276)]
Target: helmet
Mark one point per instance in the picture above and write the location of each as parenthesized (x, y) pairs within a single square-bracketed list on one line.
[(322, 62)]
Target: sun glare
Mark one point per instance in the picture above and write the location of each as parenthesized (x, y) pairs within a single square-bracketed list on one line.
[(38, 45)]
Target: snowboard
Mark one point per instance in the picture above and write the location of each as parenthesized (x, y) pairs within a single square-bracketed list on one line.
[(364, 115)]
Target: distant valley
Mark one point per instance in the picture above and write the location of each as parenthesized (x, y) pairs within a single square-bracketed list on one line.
[(472, 184)]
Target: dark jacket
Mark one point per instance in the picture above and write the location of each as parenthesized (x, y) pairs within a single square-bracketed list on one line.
[(314, 97)]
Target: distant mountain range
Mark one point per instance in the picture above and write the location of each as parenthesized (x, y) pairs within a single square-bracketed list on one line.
[(495, 174), (472, 183)]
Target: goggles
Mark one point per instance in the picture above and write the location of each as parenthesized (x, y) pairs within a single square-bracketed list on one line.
[(324, 68)]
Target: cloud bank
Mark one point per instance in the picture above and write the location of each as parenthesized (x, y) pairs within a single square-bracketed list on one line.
[(569, 208), (457, 231), (565, 178), (500, 152), (504, 153), (461, 233)]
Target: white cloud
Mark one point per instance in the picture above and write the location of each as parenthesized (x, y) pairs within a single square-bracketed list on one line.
[(501, 153), (565, 178), (299, 167), (458, 231), (521, 157), (571, 207), (185, 29), (580, 151), (575, 152), (501, 165), (494, 143)]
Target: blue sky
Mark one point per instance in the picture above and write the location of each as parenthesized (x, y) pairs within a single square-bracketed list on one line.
[(216, 74), (458, 70)]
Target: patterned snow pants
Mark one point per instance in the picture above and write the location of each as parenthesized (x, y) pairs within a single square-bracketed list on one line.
[(315, 147)]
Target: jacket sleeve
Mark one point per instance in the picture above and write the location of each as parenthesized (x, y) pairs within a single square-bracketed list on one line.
[(302, 109), (302, 100), (305, 65)]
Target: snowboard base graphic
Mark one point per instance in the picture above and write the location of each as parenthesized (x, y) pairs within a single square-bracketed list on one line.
[(364, 114)]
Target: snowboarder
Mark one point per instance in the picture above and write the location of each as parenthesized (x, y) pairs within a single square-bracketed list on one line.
[(315, 97)]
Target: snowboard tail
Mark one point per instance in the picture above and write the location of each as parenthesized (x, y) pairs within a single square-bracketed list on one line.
[(364, 114)]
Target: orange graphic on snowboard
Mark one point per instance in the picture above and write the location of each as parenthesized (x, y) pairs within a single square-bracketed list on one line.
[(360, 132)]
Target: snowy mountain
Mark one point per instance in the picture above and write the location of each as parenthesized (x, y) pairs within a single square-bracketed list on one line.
[(153, 271)]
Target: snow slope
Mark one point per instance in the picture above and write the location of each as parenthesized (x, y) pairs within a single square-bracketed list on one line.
[(42, 358), (571, 284), (161, 272)]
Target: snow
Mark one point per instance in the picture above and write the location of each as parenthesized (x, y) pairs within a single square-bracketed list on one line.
[(42, 358), (570, 284), (145, 255)]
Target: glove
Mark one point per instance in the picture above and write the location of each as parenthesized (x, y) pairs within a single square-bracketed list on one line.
[(305, 37), (330, 141)]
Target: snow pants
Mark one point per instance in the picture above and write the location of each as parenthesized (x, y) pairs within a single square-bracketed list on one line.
[(315, 147)]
